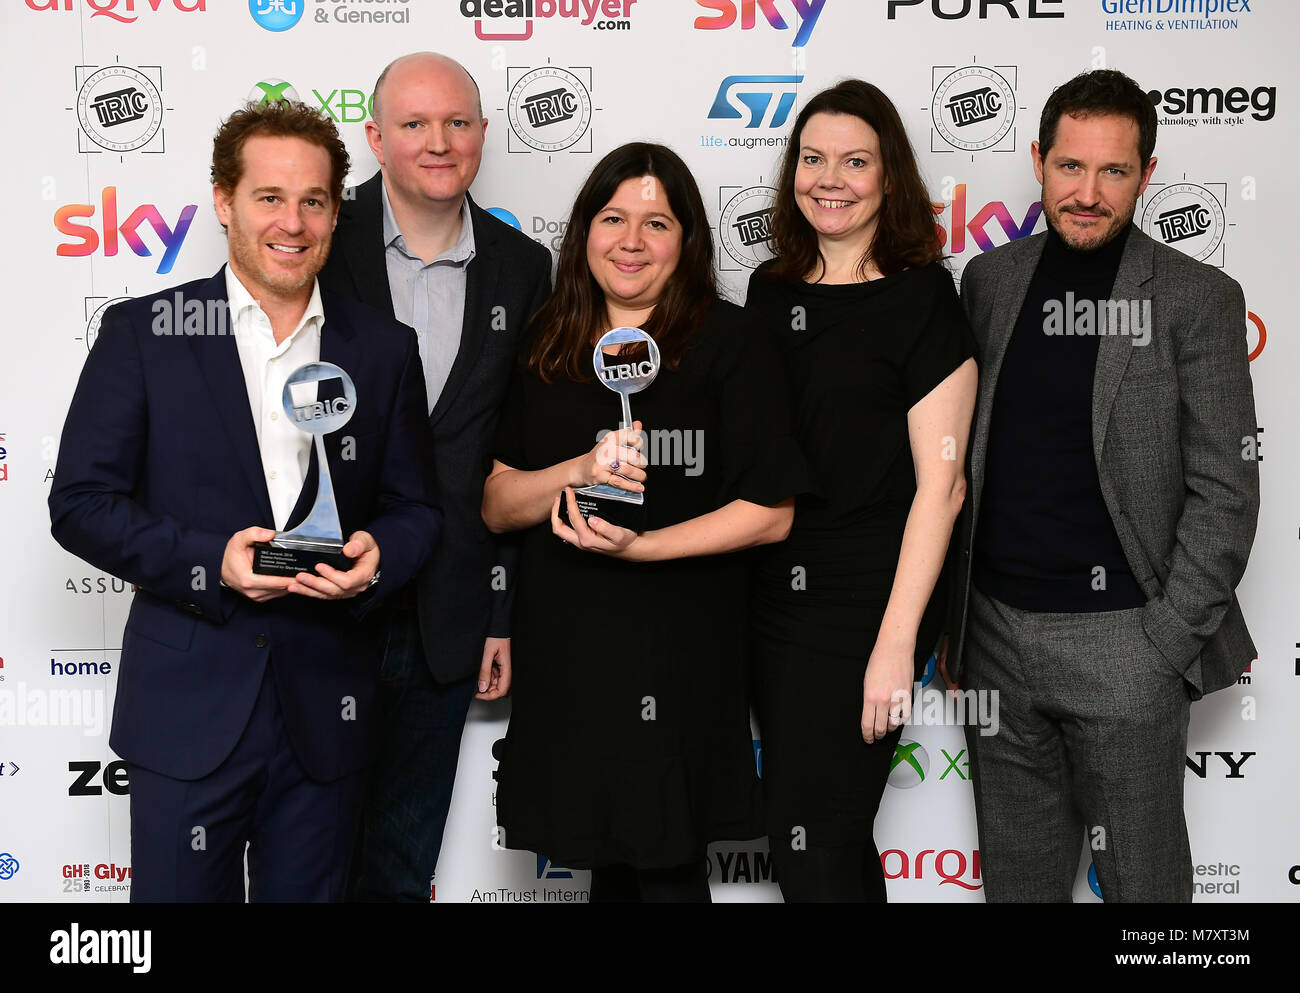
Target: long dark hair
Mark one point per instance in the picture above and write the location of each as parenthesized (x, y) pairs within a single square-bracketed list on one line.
[(564, 330), (905, 231)]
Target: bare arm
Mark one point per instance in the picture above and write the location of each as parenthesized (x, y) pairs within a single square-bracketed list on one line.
[(735, 526), (938, 428)]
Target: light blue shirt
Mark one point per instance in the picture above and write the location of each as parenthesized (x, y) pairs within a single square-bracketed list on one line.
[(430, 297)]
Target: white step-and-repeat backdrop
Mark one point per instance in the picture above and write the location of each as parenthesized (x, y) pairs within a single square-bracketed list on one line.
[(106, 197)]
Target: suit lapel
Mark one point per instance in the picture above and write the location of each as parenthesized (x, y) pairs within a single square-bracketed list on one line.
[(1115, 350), (481, 279), (1008, 299), (218, 360), (363, 245), (340, 343)]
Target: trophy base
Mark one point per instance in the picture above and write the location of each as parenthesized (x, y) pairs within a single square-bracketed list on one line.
[(277, 558), (610, 504)]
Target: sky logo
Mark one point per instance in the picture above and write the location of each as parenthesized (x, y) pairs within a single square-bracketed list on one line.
[(725, 16), (89, 239), (755, 94)]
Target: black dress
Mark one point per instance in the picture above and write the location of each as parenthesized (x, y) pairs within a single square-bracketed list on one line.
[(858, 356), (629, 739)]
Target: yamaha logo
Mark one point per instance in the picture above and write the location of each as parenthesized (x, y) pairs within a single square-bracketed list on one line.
[(1187, 217), (745, 227), (119, 108), (973, 108), (550, 110)]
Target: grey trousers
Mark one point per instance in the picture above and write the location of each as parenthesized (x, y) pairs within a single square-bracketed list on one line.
[(1091, 744)]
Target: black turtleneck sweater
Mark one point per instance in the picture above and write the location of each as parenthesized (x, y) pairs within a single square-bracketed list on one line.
[(1043, 530)]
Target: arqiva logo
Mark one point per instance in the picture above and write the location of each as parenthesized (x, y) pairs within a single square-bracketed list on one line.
[(89, 240), (950, 865), (120, 10)]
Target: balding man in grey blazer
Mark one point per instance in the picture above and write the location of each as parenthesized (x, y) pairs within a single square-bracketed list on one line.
[(1111, 509)]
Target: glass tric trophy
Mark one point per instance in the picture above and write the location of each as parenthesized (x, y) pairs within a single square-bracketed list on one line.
[(626, 360), (318, 398)]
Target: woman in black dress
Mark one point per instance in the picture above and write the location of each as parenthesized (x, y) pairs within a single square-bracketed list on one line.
[(878, 353), (629, 748)]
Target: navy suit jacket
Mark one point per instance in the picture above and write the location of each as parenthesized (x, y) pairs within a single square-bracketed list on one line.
[(159, 465), (465, 592)]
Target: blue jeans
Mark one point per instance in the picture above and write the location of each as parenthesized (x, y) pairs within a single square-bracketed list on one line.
[(409, 792)]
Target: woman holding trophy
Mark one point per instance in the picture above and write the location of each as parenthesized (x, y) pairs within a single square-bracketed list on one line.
[(629, 748), (877, 348)]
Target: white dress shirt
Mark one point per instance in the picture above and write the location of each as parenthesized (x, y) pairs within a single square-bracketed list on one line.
[(285, 449)]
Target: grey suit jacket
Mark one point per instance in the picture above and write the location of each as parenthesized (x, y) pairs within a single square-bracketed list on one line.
[(1173, 428)]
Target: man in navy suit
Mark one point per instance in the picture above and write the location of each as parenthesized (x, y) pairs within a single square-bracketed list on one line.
[(411, 242), (246, 704)]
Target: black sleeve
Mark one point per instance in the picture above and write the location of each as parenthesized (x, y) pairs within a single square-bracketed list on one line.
[(762, 463), (508, 447), (942, 342)]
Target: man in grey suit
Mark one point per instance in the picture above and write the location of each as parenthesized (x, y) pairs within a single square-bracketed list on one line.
[(1111, 508), (411, 242)]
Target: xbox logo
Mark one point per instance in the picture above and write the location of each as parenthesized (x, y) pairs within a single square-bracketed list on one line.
[(271, 90), (909, 765)]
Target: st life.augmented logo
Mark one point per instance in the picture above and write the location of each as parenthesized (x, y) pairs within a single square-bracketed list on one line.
[(973, 108), (745, 226), (277, 15), (1190, 217), (119, 109), (549, 109), (760, 101), (94, 314), (909, 766), (796, 16)]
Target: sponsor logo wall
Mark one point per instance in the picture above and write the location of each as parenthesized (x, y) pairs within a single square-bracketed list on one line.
[(109, 200)]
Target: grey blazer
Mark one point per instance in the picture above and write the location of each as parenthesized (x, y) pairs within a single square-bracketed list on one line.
[(1173, 429)]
